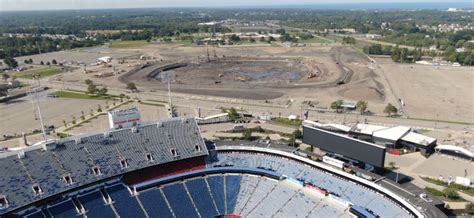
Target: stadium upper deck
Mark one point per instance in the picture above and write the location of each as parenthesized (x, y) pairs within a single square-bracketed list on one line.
[(41, 171), (122, 173)]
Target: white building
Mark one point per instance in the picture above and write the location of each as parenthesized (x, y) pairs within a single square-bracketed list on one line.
[(105, 59)]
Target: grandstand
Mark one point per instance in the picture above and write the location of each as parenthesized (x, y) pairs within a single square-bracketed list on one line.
[(165, 169)]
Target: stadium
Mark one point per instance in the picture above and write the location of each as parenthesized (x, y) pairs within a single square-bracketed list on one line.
[(166, 169)]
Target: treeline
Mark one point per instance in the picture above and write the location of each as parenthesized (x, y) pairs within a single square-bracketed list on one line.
[(404, 55), (16, 46)]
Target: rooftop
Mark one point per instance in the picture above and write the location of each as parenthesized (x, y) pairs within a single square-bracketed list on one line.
[(392, 133), (418, 138), (367, 128)]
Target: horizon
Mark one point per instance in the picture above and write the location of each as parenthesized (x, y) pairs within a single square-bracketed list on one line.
[(323, 5)]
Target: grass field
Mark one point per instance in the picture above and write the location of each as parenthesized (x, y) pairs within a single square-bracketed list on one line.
[(42, 71), (128, 44), (153, 104), (76, 95), (316, 39)]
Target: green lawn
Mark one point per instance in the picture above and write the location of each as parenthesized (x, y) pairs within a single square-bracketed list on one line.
[(66, 94), (42, 71), (128, 44), (287, 122), (316, 39), (153, 104), (467, 190)]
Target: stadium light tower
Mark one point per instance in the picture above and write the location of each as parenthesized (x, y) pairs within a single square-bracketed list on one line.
[(35, 102), (167, 77)]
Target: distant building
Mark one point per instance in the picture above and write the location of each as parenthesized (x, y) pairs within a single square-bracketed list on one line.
[(105, 59), (348, 106), (373, 36)]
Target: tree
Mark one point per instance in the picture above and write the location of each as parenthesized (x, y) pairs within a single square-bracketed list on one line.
[(5, 76), (453, 57), (361, 106), (450, 193), (54, 62), (470, 207), (41, 62), (102, 91), (64, 123), (468, 60), (11, 62), (247, 134), (30, 61), (48, 63), (88, 81), (234, 38), (233, 114), (392, 164), (298, 134), (131, 86), (390, 109), (337, 105), (91, 88)]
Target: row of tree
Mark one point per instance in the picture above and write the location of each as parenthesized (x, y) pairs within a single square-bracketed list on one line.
[(362, 106), (92, 89)]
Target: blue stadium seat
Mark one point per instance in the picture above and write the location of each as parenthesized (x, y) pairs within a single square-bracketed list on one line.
[(216, 183), (124, 203), (201, 197), (64, 209), (154, 203), (34, 214), (95, 205), (232, 189), (179, 201)]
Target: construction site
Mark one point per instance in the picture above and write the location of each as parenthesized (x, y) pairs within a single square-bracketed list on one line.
[(263, 79)]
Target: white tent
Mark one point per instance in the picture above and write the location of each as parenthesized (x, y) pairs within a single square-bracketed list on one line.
[(456, 149)]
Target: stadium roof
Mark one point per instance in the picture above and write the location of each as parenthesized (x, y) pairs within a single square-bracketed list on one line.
[(45, 170), (419, 139), (392, 133)]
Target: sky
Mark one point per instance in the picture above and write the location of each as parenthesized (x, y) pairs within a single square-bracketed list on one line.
[(14, 5)]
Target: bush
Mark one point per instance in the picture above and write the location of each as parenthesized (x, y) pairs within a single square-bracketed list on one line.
[(451, 193), (247, 134), (298, 134), (470, 208)]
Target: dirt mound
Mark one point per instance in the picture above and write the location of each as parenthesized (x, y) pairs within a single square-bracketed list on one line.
[(366, 90)]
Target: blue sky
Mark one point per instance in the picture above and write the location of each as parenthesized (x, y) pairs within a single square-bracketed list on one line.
[(8, 5)]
